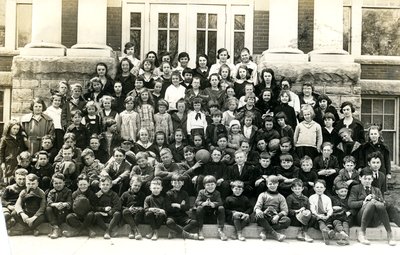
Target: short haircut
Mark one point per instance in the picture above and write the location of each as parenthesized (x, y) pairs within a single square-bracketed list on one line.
[(34, 177), (265, 155), (42, 153), (47, 137), (281, 115), (320, 181), (187, 70), (297, 183), (183, 55), (21, 172), (77, 112), (67, 147), (375, 154), (285, 139), (37, 100), (237, 183), (366, 171), (188, 148), (216, 113), (209, 179), (156, 181), (110, 122), (58, 176), (306, 159), (177, 177), (105, 178), (87, 152), (69, 136), (309, 108), (239, 152), (135, 178), (273, 179), (286, 157), (349, 158), (24, 155), (120, 150), (324, 144), (329, 115), (142, 154), (82, 177), (165, 151)]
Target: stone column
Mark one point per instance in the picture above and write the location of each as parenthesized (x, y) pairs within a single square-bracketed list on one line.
[(283, 36), (92, 30), (328, 32), (46, 29)]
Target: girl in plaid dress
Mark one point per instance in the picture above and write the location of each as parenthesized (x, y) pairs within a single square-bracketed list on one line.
[(145, 108)]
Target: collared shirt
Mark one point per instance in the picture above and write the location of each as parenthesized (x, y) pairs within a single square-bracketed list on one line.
[(247, 131)]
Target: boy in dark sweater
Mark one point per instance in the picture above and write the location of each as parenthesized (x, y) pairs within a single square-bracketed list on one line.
[(43, 170), (177, 204), (341, 217), (215, 129), (108, 207), (307, 175), (154, 208), (238, 209), (132, 207), (265, 169), (81, 132), (286, 174), (59, 203)]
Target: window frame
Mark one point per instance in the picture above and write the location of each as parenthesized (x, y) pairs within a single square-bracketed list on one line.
[(10, 42)]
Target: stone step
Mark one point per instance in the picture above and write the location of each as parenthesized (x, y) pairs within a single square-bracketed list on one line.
[(251, 231)]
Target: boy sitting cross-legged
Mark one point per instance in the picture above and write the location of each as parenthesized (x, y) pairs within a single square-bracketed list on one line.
[(154, 208)]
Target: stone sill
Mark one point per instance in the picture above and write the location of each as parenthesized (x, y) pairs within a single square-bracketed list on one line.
[(380, 87), (377, 60), (8, 53)]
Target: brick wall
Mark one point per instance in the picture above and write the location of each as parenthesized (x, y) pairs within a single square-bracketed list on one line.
[(69, 22), (306, 25), (380, 72), (114, 27), (261, 31)]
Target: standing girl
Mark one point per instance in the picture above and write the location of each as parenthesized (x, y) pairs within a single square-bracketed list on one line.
[(214, 92), (267, 81), (106, 81), (202, 70), (54, 111), (226, 78), (242, 78), (128, 121), (92, 120), (94, 91), (283, 106), (145, 109), (107, 113), (125, 76), (129, 50), (162, 119), (222, 58), (179, 118), (166, 76), (148, 75), (245, 59)]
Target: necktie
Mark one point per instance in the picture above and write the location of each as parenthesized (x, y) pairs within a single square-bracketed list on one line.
[(326, 162), (198, 116), (367, 190), (240, 169), (320, 205)]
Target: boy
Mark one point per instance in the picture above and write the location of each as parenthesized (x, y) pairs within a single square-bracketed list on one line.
[(132, 207), (307, 175), (348, 176), (209, 206), (271, 211), (341, 217), (67, 167), (31, 205), (299, 211), (10, 195), (374, 164), (108, 207), (238, 209), (119, 170), (286, 146), (329, 133), (59, 203), (177, 204), (250, 107), (154, 208), (215, 129), (327, 165), (48, 146), (267, 133), (286, 174), (81, 132), (321, 208), (265, 169), (252, 156), (43, 170), (92, 168), (143, 169), (187, 75)]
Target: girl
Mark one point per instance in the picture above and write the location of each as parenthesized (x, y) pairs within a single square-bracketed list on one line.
[(229, 93), (148, 74), (265, 104), (230, 114), (175, 91), (283, 106), (145, 108), (107, 113), (152, 56), (177, 146), (12, 144), (235, 136), (106, 81), (129, 50), (324, 106), (110, 138), (214, 92), (246, 60), (242, 78), (157, 91), (92, 120), (74, 102), (284, 129), (308, 134), (36, 125), (125, 75), (128, 122), (63, 89), (222, 57), (162, 120), (196, 92), (179, 118), (166, 69), (99, 153), (250, 100), (183, 61), (94, 91), (226, 78), (198, 141), (267, 80), (202, 70), (286, 84), (160, 142), (308, 96), (347, 109), (54, 111), (143, 143), (119, 98)]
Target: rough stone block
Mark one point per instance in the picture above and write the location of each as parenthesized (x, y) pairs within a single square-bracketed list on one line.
[(50, 84), (16, 83), (5, 78), (43, 93), (16, 106), (380, 87), (22, 94), (29, 84), (345, 90)]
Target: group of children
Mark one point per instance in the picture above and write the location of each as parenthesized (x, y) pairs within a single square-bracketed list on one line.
[(134, 150)]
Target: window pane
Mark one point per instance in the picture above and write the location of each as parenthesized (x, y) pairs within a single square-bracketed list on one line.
[(174, 20), (136, 39), (162, 20), (173, 43), (201, 20), (366, 106), (388, 138), (377, 119), (389, 106), (201, 42), (136, 19), (347, 28), (366, 119), (239, 22), (24, 24), (389, 122), (238, 45), (162, 40), (212, 20), (212, 46), (2, 23), (378, 106)]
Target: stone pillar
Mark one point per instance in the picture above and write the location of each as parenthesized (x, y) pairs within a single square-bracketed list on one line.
[(46, 29), (92, 30), (328, 32), (283, 36)]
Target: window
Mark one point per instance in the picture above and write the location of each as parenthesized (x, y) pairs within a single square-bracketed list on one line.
[(207, 35), (23, 25), (136, 31), (347, 28), (2, 23), (238, 36), (168, 33), (383, 111), (4, 107)]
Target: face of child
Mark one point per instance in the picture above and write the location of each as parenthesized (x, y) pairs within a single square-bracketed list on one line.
[(250, 101), (184, 61), (155, 189), (144, 136), (142, 162), (374, 135), (235, 129), (129, 106), (375, 164), (284, 98), (240, 158), (126, 146), (175, 80), (232, 106), (160, 140), (42, 160), (76, 119), (117, 87), (166, 68), (245, 56), (147, 66), (202, 62), (245, 147), (242, 73), (101, 70), (135, 186), (222, 143), (306, 166), (286, 164), (345, 137), (281, 122), (177, 185), (328, 122), (349, 166), (230, 92), (272, 186), (37, 108), (210, 187), (24, 162), (20, 180), (366, 180), (58, 184), (88, 159), (214, 81), (83, 185), (31, 184), (189, 156), (307, 116), (269, 125), (197, 107), (96, 85), (237, 190), (307, 90), (262, 145), (224, 73), (70, 142), (56, 102), (248, 89), (107, 105), (105, 186), (326, 151), (196, 84), (347, 111), (267, 77), (113, 128), (297, 190), (63, 89), (125, 66), (188, 77), (342, 193), (138, 84), (323, 104), (248, 121), (67, 154), (157, 87), (166, 158), (223, 56), (14, 129), (217, 119), (178, 136), (130, 51), (181, 107), (144, 96), (94, 144), (119, 157), (216, 156), (76, 92), (319, 188), (285, 147), (265, 162), (266, 96), (162, 108)]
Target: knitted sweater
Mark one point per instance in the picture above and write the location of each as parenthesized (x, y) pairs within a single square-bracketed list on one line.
[(308, 134)]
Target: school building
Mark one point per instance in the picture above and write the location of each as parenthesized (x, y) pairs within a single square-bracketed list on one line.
[(350, 49)]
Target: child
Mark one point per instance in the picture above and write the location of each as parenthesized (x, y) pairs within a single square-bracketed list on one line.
[(238, 209), (128, 121), (129, 50), (230, 113), (108, 207), (246, 60), (183, 61), (10, 195), (125, 76), (215, 129), (235, 136), (145, 108), (250, 100), (286, 146), (144, 170), (286, 173), (341, 217), (267, 81), (11, 145), (308, 134), (268, 132), (67, 167), (148, 74), (59, 204), (95, 91), (139, 87), (30, 205), (25, 161), (179, 118), (143, 144), (167, 168), (119, 97), (348, 146), (196, 120), (107, 112), (248, 89), (92, 168), (249, 130), (177, 203), (92, 120), (43, 170), (196, 92), (160, 142), (321, 208), (226, 77), (327, 165), (154, 208), (271, 211), (265, 103), (283, 106), (329, 133), (177, 146), (54, 111), (99, 153), (81, 132), (252, 156), (73, 103), (119, 170), (209, 206), (348, 176), (47, 145), (197, 140), (69, 139), (214, 92), (187, 75), (284, 129), (265, 169), (242, 78), (374, 165), (307, 175), (157, 92), (110, 138), (202, 69), (175, 91), (166, 70), (82, 216), (299, 211), (162, 120), (107, 82), (132, 207)]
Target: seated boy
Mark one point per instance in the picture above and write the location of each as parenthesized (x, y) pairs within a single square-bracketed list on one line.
[(143, 169), (67, 167), (92, 168), (119, 169), (321, 208), (341, 217), (48, 146), (177, 204), (31, 205), (271, 211), (59, 203), (132, 207), (43, 170), (154, 208), (327, 166), (286, 174), (348, 175), (374, 164), (108, 207), (265, 169), (10, 196), (299, 210), (238, 209), (307, 175), (209, 207)]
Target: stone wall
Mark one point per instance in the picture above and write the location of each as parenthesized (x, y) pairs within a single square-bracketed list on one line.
[(35, 76)]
